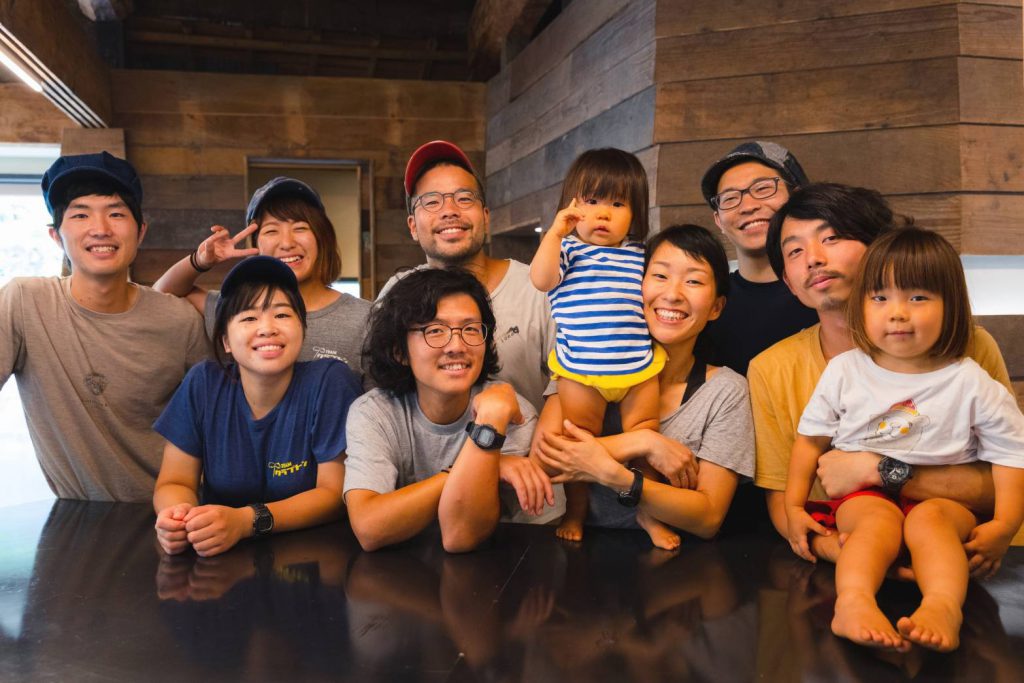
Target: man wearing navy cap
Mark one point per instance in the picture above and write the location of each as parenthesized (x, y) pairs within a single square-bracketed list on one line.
[(96, 356), (744, 189)]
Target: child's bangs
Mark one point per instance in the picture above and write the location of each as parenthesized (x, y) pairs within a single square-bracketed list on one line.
[(605, 185), (906, 265)]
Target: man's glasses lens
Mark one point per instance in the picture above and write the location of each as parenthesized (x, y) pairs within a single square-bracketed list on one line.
[(764, 188), (438, 335), (433, 201)]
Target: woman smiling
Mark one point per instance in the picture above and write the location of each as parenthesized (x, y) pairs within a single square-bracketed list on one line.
[(704, 410), (255, 445)]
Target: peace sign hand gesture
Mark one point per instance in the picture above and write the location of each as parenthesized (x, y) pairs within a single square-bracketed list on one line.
[(221, 246)]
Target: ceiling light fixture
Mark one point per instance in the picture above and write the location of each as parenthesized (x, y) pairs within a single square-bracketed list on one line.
[(20, 72)]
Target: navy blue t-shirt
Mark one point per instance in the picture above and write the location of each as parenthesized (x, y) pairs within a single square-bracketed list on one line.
[(273, 458)]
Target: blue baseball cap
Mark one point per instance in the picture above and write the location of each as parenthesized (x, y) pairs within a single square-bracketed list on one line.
[(78, 167), (278, 186), (770, 154)]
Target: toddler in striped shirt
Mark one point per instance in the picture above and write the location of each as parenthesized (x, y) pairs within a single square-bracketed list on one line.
[(592, 273)]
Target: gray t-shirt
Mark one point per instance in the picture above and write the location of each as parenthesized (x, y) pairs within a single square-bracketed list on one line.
[(92, 384), (525, 334), (334, 331), (392, 444), (716, 424)]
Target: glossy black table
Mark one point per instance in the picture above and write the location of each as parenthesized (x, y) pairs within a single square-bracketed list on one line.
[(86, 596)]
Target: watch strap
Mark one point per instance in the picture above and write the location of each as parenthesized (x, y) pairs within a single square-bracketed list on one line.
[(631, 498), (476, 433), (263, 521)]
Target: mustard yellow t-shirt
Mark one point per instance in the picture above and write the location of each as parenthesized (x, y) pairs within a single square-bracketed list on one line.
[(782, 379)]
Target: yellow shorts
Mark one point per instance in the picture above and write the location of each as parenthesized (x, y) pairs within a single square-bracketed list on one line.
[(613, 388)]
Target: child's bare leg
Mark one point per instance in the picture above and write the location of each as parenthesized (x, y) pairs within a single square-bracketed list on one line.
[(874, 526), (662, 535), (640, 410), (935, 531), (584, 407), (577, 503)]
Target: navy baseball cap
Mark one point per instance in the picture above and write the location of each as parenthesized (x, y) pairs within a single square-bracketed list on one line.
[(265, 270), (768, 153), (278, 186), (75, 168)]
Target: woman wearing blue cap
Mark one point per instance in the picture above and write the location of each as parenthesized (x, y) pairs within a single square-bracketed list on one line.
[(285, 219), (256, 445)]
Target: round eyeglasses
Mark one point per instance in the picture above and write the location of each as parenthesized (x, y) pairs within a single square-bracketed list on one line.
[(439, 335), (433, 201), (762, 188)]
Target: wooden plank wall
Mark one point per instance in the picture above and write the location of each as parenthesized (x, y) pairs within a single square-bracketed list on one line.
[(586, 81), (920, 99), (189, 135), (26, 116)]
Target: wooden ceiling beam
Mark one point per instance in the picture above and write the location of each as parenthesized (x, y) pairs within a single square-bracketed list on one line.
[(324, 49), (45, 38), (492, 23)]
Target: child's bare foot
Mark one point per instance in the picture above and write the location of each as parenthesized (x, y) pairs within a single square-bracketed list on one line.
[(661, 536), (858, 618), (934, 625), (570, 530)]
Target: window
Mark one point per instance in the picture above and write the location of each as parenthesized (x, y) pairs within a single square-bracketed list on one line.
[(26, 250)]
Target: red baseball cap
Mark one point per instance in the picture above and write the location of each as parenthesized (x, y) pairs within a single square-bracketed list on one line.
[(431, 152)]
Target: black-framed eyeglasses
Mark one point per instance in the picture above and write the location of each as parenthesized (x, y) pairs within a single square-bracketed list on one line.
[(762, 188), (433, 201), (439, 335)]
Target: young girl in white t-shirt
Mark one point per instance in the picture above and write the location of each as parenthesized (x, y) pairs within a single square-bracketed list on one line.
[(908, 393)]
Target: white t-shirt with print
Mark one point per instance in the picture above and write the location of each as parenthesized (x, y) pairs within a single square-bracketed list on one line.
[(953, 415)]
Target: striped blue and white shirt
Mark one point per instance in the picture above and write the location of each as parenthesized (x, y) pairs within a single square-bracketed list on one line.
[(598, 309)]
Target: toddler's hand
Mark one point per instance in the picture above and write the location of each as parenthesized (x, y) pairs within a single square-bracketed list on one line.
[(566, 219), (799, 525), (986, 547)]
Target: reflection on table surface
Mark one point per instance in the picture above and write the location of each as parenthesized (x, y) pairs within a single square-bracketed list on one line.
[(90, 597)]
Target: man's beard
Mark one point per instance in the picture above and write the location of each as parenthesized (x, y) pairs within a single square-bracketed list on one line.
[(832, 303), (461, 254)]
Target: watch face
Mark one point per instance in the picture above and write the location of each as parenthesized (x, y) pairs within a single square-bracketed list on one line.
[(902, 470), (264, 520), (897, 472), (485, 437), (264, 523)]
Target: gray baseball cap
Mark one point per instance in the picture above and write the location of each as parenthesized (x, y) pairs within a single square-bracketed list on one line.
[(768, 153)]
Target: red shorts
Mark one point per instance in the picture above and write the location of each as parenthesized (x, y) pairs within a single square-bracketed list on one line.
[(824, 511)]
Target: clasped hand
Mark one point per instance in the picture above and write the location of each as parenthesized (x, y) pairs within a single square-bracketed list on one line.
[(578, 456), (209, 529)]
